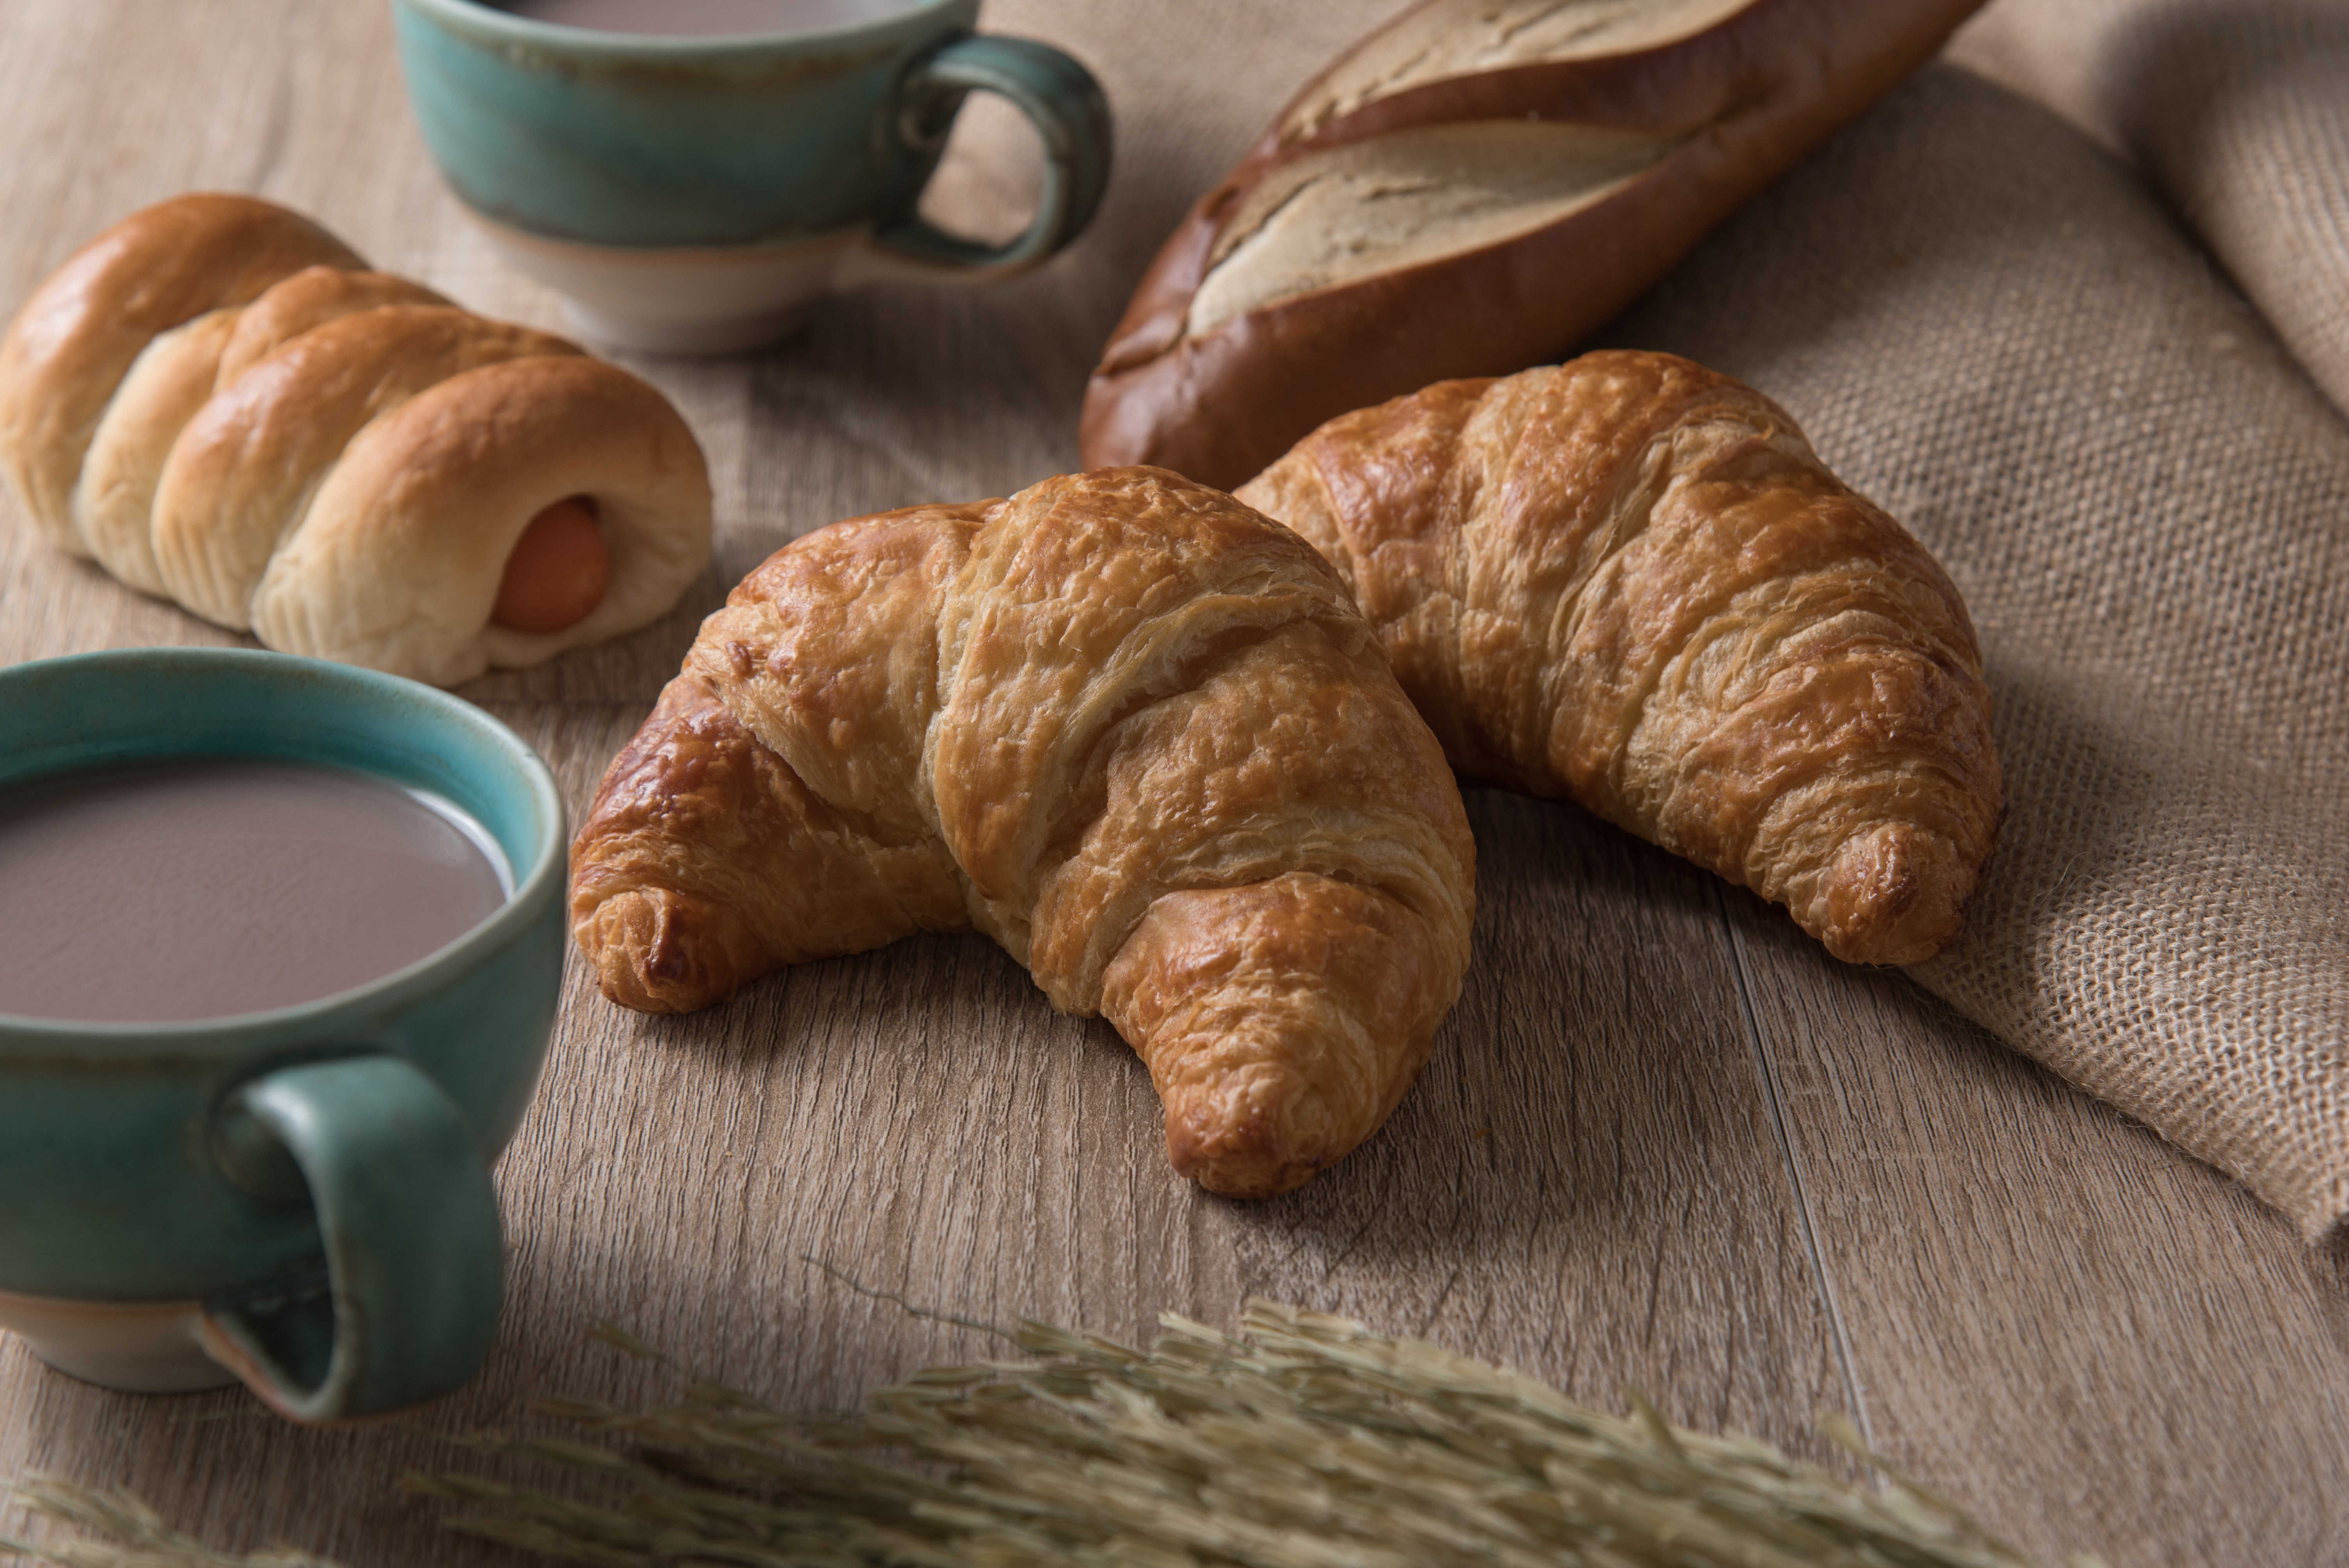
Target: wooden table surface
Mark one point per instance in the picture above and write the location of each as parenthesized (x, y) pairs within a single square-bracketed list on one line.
[(1664, 1140)]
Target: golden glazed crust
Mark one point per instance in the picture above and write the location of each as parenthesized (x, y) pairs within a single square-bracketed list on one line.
[(309, 299), (243, 473), (1118, 722), (173, 377), (1628, 581), (396, 564), (70, 346), (114, 500)]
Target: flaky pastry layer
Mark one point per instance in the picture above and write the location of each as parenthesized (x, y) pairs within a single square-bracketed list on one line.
[(1628, 581), (1119, 722)]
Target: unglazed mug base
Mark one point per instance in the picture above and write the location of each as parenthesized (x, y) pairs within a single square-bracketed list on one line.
[(715, 300), (724, 299), (136, 1347)]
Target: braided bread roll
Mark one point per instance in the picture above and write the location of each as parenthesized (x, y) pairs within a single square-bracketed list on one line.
[(1119, 723), (71, 346), (221, 406), (172, 380), (1628, 581)]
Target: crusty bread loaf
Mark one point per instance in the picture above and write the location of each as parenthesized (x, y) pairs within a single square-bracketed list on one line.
[(221, 405), (1469, 191)]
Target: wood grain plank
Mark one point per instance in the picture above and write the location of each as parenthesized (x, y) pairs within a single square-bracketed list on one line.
[(1585, 1182), (2095, 1340), (1584, 1185)]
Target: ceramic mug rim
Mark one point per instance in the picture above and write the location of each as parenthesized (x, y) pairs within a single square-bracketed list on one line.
[(488, 22), (239, 1034)]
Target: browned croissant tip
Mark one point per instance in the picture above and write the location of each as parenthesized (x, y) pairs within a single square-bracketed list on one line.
[(1896, 896), (651, 955), (1276, 1143)]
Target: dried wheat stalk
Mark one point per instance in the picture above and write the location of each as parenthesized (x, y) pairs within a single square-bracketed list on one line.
[(133, 1536), (1305, 1442)]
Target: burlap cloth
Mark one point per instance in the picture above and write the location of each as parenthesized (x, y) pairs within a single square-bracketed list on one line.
[(2007, 334), (2019, 335)]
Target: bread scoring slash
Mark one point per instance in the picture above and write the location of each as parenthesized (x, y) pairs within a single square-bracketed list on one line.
[(1471, 190)]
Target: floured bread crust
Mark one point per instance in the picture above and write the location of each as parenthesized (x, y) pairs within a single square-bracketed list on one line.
[(1119, 723), (1448, 39), (1418, 196), (1472, 190), (1628, 581)]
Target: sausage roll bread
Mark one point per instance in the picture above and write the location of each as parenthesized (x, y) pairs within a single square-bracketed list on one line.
[(1119, 723), (221, 405), (1628, 581)]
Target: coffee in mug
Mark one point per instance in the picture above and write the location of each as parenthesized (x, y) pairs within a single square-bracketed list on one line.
[(207, 887), (257, 1165), (704, 18)]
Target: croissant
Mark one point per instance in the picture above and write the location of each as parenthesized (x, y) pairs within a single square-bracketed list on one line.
[(1119, 723), (1628, 581), (221, 406)]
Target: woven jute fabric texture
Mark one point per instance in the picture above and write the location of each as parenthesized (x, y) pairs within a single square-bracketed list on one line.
[(1994, 327), (2237, 113), (2004, 321)]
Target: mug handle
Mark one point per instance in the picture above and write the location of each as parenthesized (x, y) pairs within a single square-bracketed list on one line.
[(1071, 115), (408, 1305)]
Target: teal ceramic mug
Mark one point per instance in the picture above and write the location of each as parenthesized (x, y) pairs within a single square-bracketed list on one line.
[(299, 1198), (699, 194)]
